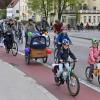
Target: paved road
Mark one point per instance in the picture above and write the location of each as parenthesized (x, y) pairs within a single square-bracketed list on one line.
[(16, 85), (43, 75), (80, 48), (86, 34)]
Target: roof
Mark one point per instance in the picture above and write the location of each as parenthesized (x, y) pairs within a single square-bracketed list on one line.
[(12, 3), (4, 3)]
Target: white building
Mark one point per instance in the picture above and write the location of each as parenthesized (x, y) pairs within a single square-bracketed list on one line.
[(18, 9), (89, 13)]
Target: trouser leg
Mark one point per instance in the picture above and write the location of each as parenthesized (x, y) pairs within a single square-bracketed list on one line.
[(91, 69), (60, 70), (68, 67)]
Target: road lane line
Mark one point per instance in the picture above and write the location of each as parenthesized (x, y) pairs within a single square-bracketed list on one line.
[(95, 88)]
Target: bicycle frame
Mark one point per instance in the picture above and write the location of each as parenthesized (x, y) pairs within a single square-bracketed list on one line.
[(96, 70)]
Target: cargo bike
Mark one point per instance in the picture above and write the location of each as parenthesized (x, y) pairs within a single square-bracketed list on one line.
[(36, 49)]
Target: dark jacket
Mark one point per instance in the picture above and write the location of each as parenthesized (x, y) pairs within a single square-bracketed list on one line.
[(65, 53), (44, 24)]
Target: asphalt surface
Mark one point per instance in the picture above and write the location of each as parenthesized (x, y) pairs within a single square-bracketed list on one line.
[(44, 75), (81, 43)]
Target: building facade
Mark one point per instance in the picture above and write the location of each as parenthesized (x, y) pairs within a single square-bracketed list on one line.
[(18, 9), (91, 13), (88, 13)]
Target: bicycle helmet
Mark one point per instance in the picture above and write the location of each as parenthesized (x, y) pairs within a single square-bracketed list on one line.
[(30, 34), (65, 42), (95, 41)]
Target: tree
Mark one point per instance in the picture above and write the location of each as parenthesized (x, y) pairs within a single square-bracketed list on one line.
[(46, 6), (41, 6), (2, 13), (61, 5)]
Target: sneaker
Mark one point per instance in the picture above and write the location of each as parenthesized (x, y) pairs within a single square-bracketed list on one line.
[(56, 79)]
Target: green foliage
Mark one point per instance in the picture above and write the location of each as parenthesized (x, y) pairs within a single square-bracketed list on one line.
[(61, 5), (17, 18), (46, 6), (43, 7), (2, 13)]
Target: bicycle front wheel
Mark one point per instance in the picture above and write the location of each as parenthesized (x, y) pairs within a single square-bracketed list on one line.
[(56, 55), (87, 74), (99, 79), (48, 41), (73, 84)]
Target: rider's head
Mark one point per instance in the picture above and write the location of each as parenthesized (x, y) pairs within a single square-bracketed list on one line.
[(57, 21), (30, 21), (95, 42), (65, 44), (43, 18), (10, 21)]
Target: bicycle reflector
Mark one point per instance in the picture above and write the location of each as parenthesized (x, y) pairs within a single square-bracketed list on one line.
[(49, 51)]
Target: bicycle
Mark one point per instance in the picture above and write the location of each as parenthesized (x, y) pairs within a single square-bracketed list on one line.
[(96, 72), (10, 44), (69, 77)]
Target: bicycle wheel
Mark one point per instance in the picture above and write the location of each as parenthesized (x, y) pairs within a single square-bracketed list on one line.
[(56, 55), (7, 50), (48, 41), (73, 84), (14, 49), (44, 59), (57, 80), (99, 79), (21, 40), (87, 74)]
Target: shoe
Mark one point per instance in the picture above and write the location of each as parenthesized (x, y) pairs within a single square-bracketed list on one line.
[(56, 79)]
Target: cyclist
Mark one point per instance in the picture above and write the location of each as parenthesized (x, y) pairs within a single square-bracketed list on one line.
[(30, 27), (8, 35), (60, 35), (11, 25), (57, 27), (44, 24), (94, 54), (63, 56)]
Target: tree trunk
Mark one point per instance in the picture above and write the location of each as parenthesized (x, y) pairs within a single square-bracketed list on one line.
[(59, 10)]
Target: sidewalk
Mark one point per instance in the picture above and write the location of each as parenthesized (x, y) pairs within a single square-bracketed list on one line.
[(15, 85)]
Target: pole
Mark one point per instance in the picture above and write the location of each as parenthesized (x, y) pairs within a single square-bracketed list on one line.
[(19, 9)]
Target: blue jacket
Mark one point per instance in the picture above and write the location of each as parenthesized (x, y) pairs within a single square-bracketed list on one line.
[(62, 36)]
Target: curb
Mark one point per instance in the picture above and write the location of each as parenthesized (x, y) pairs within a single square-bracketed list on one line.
[(81, 37)]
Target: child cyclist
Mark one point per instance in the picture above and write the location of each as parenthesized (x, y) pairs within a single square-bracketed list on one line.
[(63, 56), (94, 54)]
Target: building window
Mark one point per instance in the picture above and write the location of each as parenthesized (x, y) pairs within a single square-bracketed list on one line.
[(64, 19), (17, 11), (98, 19), (89, 19), (94, 8), (85, 19), (85, 7), (94, 19)]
